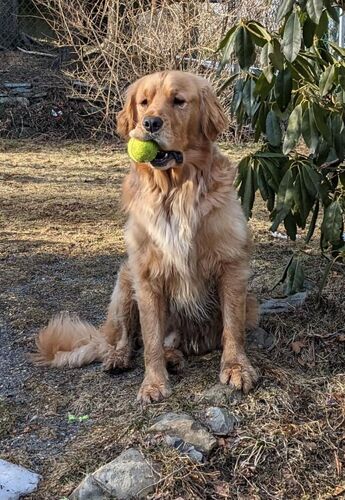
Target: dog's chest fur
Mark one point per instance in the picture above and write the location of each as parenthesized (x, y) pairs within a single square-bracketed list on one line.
[(171, 223), (173, 226)]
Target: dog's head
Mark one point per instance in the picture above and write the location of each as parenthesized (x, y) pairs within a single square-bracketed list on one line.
[(177, 110)]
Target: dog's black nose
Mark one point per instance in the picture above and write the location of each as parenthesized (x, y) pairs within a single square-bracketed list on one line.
[(152, 123)]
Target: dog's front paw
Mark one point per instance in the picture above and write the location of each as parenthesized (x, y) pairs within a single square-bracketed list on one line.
[(117, 359), (239, 374), (153, 391)]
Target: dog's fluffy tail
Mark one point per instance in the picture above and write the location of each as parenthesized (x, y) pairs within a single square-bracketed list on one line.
[(68, 341)]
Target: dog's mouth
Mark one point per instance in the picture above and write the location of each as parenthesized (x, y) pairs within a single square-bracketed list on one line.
[(163, 158)]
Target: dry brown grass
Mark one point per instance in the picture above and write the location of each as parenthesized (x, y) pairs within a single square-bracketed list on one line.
[(61, 244)]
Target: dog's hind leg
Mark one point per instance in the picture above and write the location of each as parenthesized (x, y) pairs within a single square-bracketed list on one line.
[(121, 323), (174, 358)]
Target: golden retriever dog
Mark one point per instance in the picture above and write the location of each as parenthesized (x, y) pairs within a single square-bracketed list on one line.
[(186, 274)]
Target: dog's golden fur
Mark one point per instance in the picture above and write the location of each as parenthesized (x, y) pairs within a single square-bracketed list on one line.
[(188, 249)]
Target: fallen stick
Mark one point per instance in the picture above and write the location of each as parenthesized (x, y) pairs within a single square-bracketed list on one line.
[(35, 53)]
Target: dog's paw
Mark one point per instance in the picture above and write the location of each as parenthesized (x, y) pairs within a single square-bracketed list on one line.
[(174, 360), (239, 374), (117, 359), (152, 392)]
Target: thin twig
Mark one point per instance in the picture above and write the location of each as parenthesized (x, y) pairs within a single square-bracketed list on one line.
[(36, 53)]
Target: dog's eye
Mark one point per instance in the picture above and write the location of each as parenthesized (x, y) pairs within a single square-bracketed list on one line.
[(143, 102), (178, 101)]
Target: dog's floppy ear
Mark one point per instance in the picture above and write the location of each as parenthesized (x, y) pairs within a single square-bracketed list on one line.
[(213, 119), (126, 118)]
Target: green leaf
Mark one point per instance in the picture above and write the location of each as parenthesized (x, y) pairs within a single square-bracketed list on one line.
[(272, 173), (259, 34), (283, 88), (332, 224), (302, 70), (264, 188), (285, 199), (285, 196), (276, 55), (308, 32), (290, 226), (301, 199), (312, 224), (322, 26), (341, 74), (260, 123), (238, 95), (339, 50), (314, 9), (284, 8), (294, 129), (227, 45), (312, 179), (265, 61), (249, 97), (262, 87), (333, 11), (339, 145), (225, 40), (268, 154), (309, 131), (292, 37), (244, 48), (320, 117), (327, 79), (247, 189), (338, 132), (270, 203), (273, 129), (295, 277)]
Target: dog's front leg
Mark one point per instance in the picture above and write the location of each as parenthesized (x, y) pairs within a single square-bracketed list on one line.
[(152, 311), (236, 369)]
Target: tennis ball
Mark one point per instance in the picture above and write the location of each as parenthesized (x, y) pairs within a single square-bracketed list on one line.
[(142, 151)]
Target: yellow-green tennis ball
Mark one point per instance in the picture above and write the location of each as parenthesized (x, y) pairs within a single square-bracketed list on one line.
[(142, 151)]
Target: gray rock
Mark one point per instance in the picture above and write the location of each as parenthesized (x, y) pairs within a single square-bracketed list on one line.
[(128, 476), (11, 100), (259, 338), (16, 481), (10, 85), (220, 421), (187, 429), (89, 489), (221, 394), (185, 448), (276, 306)]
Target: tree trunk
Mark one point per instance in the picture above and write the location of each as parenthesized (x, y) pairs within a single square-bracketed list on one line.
[(8, 23)]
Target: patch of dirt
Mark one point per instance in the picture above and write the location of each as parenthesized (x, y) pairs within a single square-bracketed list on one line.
[(61, 246)]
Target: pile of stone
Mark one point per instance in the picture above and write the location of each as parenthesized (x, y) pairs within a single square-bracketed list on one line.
[(19, 93), (131, 475)]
